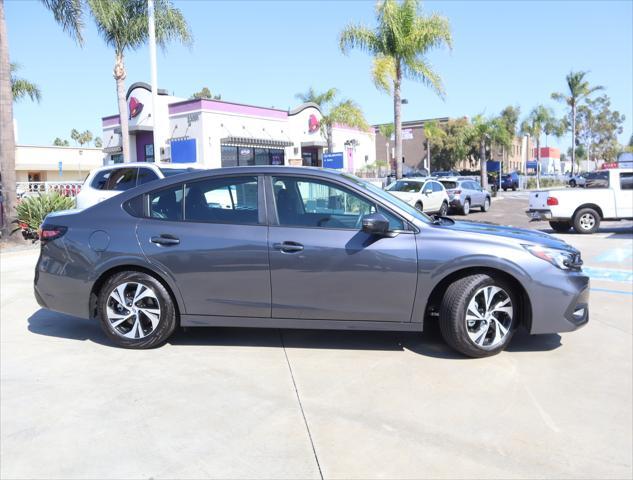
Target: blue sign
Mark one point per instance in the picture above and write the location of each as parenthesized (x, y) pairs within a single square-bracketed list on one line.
[(492, 165), (59, 165), (183, 150), (531, 165), (333, 160)]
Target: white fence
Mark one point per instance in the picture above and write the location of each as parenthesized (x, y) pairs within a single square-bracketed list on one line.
[(68, 189)]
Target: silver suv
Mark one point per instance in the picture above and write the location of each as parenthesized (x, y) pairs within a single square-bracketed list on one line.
[(464, 194)]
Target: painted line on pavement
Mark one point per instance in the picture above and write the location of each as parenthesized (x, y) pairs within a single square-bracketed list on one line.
[(608, 290), (613, 275)]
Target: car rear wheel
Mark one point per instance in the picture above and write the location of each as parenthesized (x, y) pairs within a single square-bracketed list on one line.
[(418, 206), (514, 188), (486, 206), (443, 210), (136, 310), (572, 183), (478, 315), (586, 220), (561, 227), (466, 207)]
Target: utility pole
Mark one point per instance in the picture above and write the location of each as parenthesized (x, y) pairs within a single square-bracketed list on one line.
[(158, 135)]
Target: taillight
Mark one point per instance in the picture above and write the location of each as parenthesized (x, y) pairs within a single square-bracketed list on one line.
[(552, 201), (457, 192), (51, 232)]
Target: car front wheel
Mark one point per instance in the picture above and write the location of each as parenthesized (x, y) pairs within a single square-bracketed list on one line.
[(443, 210), (418, 206), (478, 315), (136, 310), (486, 206)]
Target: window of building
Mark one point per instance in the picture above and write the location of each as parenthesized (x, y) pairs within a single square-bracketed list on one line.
[(261, 156), (229, 156), (149, 152), (166, 204), (246, 156), (234, 156), (626, 181), (222, 200), (317, 204), (276, 156), (116, 158)]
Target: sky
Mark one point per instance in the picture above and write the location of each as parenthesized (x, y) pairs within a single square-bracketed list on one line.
[(263, 52)]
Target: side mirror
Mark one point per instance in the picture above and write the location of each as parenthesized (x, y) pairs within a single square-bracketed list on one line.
[(428, 190), (375, 224)]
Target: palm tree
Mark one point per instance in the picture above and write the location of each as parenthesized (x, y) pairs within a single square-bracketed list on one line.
[(578, 89), (399, 44), (20, 87), (433, 133), (67, 13), (535, 125), (345, 112), (123, 25), (488, 130), (387, 130)]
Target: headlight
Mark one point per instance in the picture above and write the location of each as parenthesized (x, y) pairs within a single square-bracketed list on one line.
[(562, 259)]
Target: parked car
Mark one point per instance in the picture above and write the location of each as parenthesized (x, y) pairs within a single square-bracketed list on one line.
[(105, 182), (464, 194), (425, 194), (608, 195), (510, 181), (448, 173), (576, 180), (285, 247)]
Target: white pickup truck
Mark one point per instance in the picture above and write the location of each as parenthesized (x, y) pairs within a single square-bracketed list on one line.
[(608, 195)]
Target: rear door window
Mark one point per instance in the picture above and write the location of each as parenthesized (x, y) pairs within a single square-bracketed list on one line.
[(166, 204), (122, 179), (146, 175), (222, 200)]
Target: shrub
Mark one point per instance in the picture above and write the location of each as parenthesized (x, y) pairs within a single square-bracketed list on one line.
[(32, 211)]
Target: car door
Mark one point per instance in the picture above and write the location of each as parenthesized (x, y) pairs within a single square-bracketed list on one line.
[(427, 197), (438, 195), (475, 192), (210, 235), (322, 266)]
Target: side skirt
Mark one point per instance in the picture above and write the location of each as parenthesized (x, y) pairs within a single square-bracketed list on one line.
[(217, 321)]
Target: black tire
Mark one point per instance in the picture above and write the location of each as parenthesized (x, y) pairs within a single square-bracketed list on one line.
[(453, 324), (486, 206), (514, 188), (167, 316), (572, 183), (418, 206), (586, 221), (466, 207), (443, 209), (561, 227), (505, 189)]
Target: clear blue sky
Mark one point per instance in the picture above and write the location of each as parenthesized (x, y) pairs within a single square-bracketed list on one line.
[(263, 52)]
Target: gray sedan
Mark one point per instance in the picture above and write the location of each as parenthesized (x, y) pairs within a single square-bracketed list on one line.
[(464, 194), (285, 247)]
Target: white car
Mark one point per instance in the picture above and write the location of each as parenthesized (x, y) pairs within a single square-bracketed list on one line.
[(608, 195), (425, 194), (577, 180), (108, 181)]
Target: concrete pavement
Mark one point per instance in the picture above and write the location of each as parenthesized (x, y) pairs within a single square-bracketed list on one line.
[(238, 403)]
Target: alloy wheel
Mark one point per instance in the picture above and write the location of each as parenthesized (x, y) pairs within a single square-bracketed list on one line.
[(587, 221), (133, 310), (489, 316)]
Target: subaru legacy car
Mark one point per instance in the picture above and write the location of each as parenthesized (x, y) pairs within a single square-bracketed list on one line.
[(295, 247)]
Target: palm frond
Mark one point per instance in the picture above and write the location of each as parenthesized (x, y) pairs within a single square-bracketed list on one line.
[(21, 87), (383, 72), (347, 113), (419, 70), (69, 14), (358, 36)]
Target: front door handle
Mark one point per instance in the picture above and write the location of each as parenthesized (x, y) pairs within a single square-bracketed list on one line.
[(288, 247), (165, 240)]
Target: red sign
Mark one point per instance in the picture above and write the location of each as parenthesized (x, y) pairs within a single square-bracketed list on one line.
[(135, 107), (609, 165), (313, 124)]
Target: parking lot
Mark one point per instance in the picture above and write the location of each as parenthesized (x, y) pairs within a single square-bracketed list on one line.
[(240, 403)]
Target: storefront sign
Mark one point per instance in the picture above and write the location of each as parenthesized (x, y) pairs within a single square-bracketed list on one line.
[(407, 134), (333, 160), (313, 124), (135, 107)]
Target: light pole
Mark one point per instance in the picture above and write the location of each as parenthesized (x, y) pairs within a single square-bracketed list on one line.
[(158, 138)]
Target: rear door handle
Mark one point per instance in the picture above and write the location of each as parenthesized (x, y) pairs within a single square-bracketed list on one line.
[(288, 247), (165, 239)]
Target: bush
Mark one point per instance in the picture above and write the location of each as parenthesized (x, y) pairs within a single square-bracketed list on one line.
[(32, 211), (530, 183)]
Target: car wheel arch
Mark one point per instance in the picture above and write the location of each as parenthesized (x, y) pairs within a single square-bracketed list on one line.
[(434, 299), (105, 275), (593, 206)]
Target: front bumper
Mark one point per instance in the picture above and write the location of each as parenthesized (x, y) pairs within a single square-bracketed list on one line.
[(536, 215)]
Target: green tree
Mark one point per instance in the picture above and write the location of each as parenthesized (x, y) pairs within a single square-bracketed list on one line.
[(20, 87), (554, 127), (75, 135), (58, 142), (598, 128), (344, 112), (399, 44), (577, 89), (85, 137), (123, 25), (492, 131), (206, 93), (509, 117), (67, 14), (98, 142), (534, 126), (448, 149)]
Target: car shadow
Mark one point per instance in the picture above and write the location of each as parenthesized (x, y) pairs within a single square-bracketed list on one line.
[(428, 343), (621, 233)]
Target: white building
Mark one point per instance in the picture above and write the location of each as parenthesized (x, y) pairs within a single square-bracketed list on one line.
[(34, 163), (216, 133)]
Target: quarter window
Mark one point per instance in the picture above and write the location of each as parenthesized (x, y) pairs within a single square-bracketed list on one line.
[(100, 180), (122, 179), (166, 204), (222, 200), (626, 181)]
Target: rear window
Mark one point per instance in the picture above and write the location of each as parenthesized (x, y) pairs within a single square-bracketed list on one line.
[(404, 186), (170, 172), (597, 180), (449, 185)]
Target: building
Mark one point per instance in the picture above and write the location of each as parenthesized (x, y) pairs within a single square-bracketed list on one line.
[(515, 157), (34, 163), (217, 133), (550, 160)]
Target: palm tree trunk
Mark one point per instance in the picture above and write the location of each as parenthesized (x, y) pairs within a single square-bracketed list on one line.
[(573, 136), (330, 142), (7, 140), (119, 76), (397, 120), (483, 165)]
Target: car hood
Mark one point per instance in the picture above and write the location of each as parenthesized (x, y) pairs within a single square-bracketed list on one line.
[(522, 235)]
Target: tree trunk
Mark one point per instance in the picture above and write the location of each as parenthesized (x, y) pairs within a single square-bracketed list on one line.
[(119, 76), (573, 136), (7, 140), (397, 120), (538, 163), (330, 142), (428, 156), (483, 165)]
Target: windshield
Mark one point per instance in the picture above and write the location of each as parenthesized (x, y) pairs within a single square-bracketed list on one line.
[(405, 186), (170, 172), (448, 185), (389, 198)]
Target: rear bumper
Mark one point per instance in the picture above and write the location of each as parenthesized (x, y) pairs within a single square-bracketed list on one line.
[(537, 215), (561, 304)]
